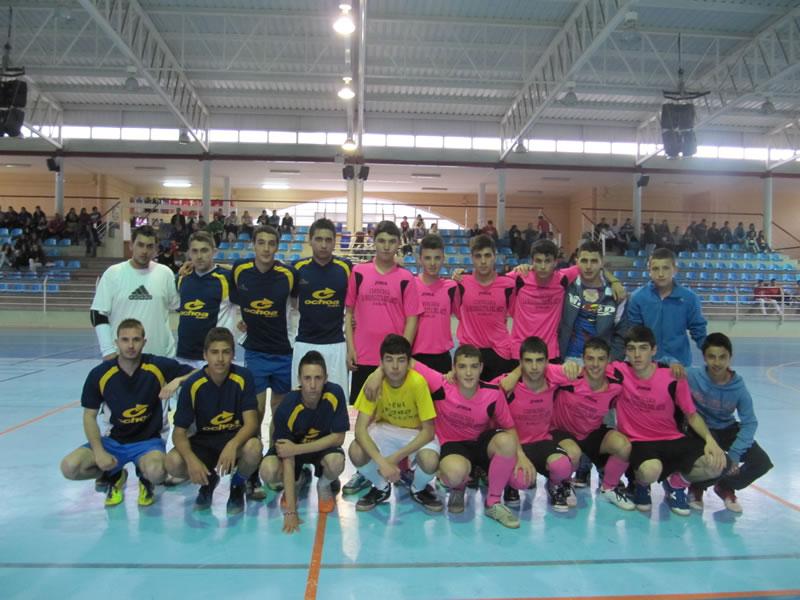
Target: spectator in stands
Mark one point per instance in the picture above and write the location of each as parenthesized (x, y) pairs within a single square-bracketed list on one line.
[(542, 226), (166, 255), (24, 218), (750, 240), (626, 232), (476, 230), (761, 243), (739, 234), (39, 222), (35, 255), (358, 241), (419, 222), (404, 226), (419, 230), (231, 223), (701, 232), (8, 219), (6, 255), (274, 220), (72, 225), (216, 228), (490, 230), (88, 233), (263, 218), (769, 295), (515, 240), (649, 238), (662, 229), (714, 236), (406, 243), (247, 224), (55, 228), (434, 230), (601, 227), (725, 233), (178, 218), (180, 237), (287, 225)]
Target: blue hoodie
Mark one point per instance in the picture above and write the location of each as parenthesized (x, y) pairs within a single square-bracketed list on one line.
[(717, 403), (669, 319)]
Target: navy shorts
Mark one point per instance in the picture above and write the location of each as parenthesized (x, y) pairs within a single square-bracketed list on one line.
[(590, 445), (314, 459)]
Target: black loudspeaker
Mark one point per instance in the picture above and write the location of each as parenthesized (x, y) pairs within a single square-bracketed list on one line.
[(11, 121), (53, 165), (643, 181), (363, 173), (677, 130), (348, 172), (13, 94)]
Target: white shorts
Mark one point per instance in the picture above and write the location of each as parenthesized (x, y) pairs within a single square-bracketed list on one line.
[(335, 356), (390, 438), (195, 364)]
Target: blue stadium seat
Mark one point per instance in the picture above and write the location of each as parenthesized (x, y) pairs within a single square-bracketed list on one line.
[(450, 250), (234, 256), (16, 287), (505, 251), (238, 246), (501, 260), (74, 264), (3, 287), (453, 260), (65, 242), (344, 242), (53, 288), (248, 255), (712, 247), (244, 237), (16, 232), (35, 288), (733, 276), (630, 253), (224, 246), (50, 242), (681, 254), (763, 267), (294, 257), (729, 299), (283, 247), (789, 277), (619, 274), (413, 269), (696, 255), (13, 275), (639, 264), (445, 272), (642, 253), (513, 261), (219, 255), (409, 259), (775, 256), (788, 267), (52, 252), (296, 247), (704, 276), (714, 299), (465, 250), (632, 275), (302, 229), (719, 276), (30, 275), (690, 276), (4, 232), (744, 276)]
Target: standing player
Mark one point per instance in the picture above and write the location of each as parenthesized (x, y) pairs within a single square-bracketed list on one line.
[(205, 300), (321, 289), (437, 296), (579, 409), (310, 425), (718, 393), (396, 426), (133, 390), (485, 303), (647, 412), (668, 310), (136, 289), (217, 403)]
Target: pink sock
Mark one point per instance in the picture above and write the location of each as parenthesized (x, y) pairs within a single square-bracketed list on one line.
[(560, 469), (500, 470), (614, 469), (518, 481), (677, 481)]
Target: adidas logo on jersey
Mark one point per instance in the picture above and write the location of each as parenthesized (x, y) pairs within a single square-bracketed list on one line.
[(140, 293)]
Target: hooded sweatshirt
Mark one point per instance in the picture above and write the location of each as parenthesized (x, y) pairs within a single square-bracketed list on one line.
[(718, 403)]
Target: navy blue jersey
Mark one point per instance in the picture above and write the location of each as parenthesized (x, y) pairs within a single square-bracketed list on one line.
[(321, 292), (134, 412), (293, 421), (263, 298), (203, 298), (214, 409)]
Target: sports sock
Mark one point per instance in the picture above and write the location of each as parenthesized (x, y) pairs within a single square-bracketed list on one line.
[(677, 481), (500, 470), (370, 471), (421, 479), (518, 481), (615, 467), (238, 479), (113, 477), (560, 469)]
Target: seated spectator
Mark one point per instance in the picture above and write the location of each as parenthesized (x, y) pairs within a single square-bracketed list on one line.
[(287, 225), (404, 226), (739, 233), (247, 224), (419, 222), (24, 218), (434, 230), (476, 230), (490, 230), (725, 233), (178, 218), (7, 255), (515, 240), (72, 225), (231, 223), (761, 243), (542, 226), (419, 230), (56, 226), (662, 229), (649, 238), (626, 232), (714, 236), (263, 218), (35, 255), (769, 295), (274, 220), (750, 241), (701, 232)]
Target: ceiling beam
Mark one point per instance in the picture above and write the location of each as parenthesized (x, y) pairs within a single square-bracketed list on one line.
[(132, 31)]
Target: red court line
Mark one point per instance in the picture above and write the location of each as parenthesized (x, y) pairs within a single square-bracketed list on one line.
[(775, 497), (39, 418), (316, 558), (703, 596)]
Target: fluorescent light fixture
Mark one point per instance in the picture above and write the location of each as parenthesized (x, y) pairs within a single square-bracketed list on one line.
[(346, 93), (349, 145), (344, 24), (17, 165), (177, 183), (183, 136), (274, 185)]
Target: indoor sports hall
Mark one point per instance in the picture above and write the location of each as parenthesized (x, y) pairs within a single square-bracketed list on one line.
[(638, 125)]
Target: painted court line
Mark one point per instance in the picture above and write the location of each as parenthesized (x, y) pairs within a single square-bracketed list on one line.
[(40, 417), (21, 375), (157, 566), (772, 376), (702, 596), (775, 497), (316, 558)]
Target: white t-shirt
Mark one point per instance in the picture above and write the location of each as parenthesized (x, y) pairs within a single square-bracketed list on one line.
[(148, 295)]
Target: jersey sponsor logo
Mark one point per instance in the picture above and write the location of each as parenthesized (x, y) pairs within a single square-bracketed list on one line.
[(310, 435), (140, 293), (137, 414), (193, 309), (261, 308), (323, 297), (224, 421)]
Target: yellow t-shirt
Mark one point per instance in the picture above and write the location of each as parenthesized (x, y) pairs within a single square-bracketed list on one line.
[(406, 406)]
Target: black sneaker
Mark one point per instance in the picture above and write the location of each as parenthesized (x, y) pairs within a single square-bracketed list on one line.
[(511, 497), (236, 499), (102, 483), (407, 477), (583, 474), (206, 493), (336, 486), (428, 499), (253, 488), (558, 497), (373, 497)]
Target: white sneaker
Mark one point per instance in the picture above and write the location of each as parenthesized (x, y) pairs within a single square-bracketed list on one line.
[(618, 497), (572, 499), (695, 497)]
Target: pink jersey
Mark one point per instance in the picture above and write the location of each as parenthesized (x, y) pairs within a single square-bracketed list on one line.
[(380, 304), (646, 408), (460, 419), (537, 310), (533, 411), (483, 313), (438, 300), (579, 410)]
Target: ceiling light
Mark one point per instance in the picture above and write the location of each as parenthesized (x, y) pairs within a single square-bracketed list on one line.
[(768, 107), (177, 183), (17, 165), (347, 93), (426, 175), (274, 185), (349, 144), (344, 24), (570, 98), (131, 83), (183, 136)]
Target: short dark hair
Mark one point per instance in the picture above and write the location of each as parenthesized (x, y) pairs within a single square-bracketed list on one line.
[(322, 223), (640, 333), (596, 343), (481, 242), (590, 246), (546, 247), (144, 230), (312, 357), (431, 242), (387, 227), (268, 229), (533, 344), (720, 340), (395, 344), (130, 324), (219, 334), (663, 254), (467, 351), (203, 237)]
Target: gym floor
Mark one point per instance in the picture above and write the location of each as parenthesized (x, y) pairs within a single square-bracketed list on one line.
[(58, 541)]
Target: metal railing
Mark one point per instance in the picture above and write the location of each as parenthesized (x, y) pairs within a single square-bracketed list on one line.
[(48, 294)]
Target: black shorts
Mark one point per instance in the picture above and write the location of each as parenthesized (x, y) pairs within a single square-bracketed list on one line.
[(590, 445), (357, 380), (313, 458), (675, 455), (475, 451), (443, 363), (209, 447), (538, 452), (495, 365)]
